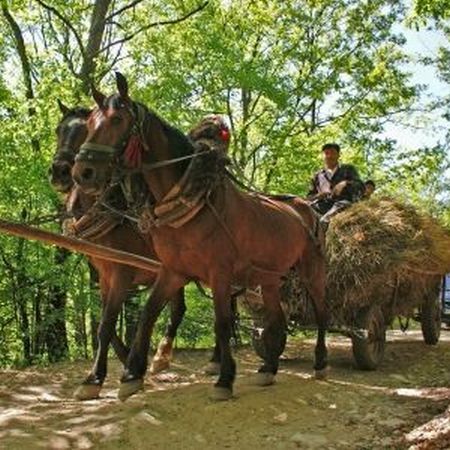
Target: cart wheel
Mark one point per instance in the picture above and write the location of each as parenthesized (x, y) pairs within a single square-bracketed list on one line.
[(257, 340), (368, 351), (430, 319)]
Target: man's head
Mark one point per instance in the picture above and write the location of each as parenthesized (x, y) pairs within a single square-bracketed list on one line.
[(331, 154), (369, 188)]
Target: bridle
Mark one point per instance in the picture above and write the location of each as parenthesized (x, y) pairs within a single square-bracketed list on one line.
[(65, 154), (93, 152)]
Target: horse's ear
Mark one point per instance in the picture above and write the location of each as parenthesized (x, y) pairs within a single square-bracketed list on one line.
[(98, 97), (122, 86), (62, 107)]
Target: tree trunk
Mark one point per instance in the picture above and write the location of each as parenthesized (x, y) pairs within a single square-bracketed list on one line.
[(246, 97), (95, 38), (55, 332), (26, 66), (24, 323), (38, 348)]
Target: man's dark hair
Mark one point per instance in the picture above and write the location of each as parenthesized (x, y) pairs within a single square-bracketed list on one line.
[(370, 182), (333, 146)]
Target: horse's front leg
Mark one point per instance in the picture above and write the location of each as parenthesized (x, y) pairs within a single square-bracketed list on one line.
[(113, 296), (274, 335), (223, 389), (165, 287), (163, 356)]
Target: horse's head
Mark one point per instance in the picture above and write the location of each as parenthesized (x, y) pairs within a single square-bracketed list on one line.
[(112, 135), (71, 133)]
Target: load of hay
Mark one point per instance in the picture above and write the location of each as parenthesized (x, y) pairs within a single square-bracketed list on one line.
[(384, 252), (379, 251)]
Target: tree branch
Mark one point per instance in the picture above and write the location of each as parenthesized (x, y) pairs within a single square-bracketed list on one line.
[(152, 25), (65, 21), (123, 9)]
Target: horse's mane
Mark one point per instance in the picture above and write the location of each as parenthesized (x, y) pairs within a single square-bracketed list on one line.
[(78, 111), (179, 143)]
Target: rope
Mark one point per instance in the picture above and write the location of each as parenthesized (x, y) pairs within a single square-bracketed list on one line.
[(168, 162)]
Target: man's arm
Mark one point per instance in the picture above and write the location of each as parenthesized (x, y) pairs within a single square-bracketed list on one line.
[(314, 193), (313, 189), (353, 175)]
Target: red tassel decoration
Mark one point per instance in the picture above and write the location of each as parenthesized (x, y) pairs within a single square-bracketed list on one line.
[(224, 135), (133, 152)]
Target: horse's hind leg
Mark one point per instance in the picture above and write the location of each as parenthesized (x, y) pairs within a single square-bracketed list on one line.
[(213, 366), (163, 355), (274, 335), (315, 282), (223, 389)]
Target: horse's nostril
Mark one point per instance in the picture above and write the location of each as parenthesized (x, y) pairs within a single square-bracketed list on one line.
[(87, 174), (65, 171)]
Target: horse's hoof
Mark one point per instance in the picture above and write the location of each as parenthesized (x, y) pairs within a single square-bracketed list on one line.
[(220, 393), (158, 365), (321, 374), (127, 389), (87, 391), (264, 378), (212, 368)]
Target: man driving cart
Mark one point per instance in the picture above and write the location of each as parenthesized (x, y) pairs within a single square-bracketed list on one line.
[(336, 186)]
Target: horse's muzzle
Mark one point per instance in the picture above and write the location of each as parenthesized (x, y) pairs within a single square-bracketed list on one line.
[(60, 176), (90, 179)]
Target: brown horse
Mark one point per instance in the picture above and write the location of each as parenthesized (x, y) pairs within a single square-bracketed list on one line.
[(117, 282), (225, 237)]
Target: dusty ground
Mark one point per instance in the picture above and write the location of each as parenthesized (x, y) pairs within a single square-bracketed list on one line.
[(402, 405)]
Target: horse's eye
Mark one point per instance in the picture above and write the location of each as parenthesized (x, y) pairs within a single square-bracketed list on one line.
[(116, 120)]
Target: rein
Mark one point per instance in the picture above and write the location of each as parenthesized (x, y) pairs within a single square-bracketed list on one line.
[(90, 152), (168, 162)]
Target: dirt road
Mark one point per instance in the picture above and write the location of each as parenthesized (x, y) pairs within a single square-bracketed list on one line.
[(386, 409)]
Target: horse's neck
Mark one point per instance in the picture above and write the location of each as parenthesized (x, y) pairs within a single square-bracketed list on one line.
[(161, 180)]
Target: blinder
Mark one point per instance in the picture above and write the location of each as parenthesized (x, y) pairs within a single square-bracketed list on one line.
[(92, 152)]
